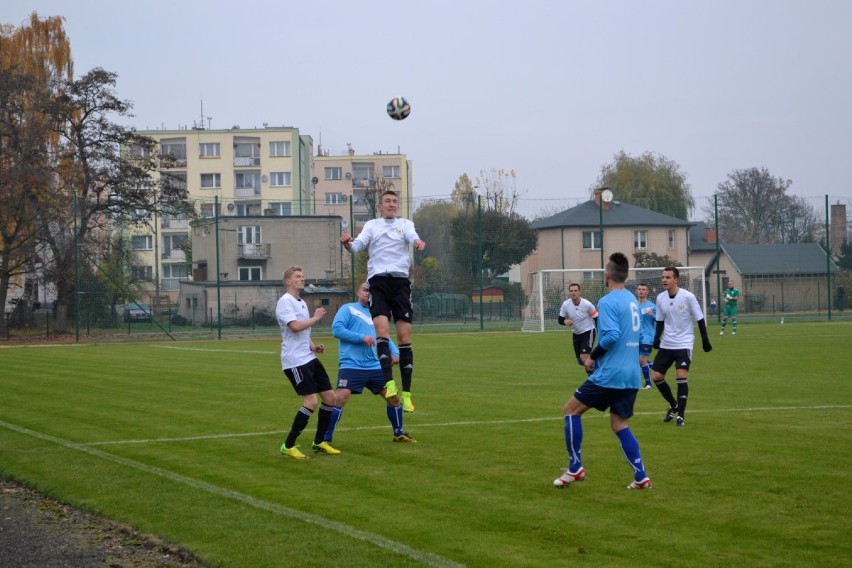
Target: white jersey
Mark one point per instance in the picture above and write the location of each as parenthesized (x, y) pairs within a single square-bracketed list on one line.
[(583, 315), (387, 241), (678, 314), (295, 346)]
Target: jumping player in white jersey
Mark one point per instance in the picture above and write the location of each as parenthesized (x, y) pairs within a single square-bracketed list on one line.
[(677, 309), (614, 379), (387, 239), (579, 314)]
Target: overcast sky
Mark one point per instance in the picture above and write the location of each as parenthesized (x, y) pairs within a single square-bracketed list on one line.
[(552, 89)]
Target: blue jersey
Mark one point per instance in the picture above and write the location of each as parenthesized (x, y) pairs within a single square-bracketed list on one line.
[(618, 333), (351, 324), (648, 317)]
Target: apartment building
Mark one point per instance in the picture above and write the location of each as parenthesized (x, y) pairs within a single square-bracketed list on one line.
[(348, 185), (253, 172)]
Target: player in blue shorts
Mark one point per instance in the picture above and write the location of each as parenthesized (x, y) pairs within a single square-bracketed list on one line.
[(648, 318), (359, 366), (614, 379)]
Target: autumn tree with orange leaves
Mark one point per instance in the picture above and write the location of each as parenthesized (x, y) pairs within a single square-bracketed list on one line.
[(77, 178)]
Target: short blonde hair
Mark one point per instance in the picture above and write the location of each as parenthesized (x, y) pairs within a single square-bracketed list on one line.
[(289, 272)]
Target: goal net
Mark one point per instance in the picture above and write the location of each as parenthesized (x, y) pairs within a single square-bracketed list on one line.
[(547, 289)]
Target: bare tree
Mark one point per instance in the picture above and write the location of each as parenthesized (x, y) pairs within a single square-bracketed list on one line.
[(753, 206)]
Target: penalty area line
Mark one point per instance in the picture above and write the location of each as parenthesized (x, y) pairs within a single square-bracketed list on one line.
[(457, 423), (427, 558)]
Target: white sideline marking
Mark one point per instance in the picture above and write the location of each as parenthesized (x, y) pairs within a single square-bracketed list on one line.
[(377, 540), (447, 424), (217, 350)]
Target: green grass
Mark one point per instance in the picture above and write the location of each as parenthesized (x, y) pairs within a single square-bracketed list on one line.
[(181, 440)]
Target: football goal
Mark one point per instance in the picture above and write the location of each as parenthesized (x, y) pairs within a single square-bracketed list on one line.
[(547, 289)]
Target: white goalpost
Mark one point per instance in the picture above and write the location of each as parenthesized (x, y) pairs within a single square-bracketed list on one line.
[(547, 289)]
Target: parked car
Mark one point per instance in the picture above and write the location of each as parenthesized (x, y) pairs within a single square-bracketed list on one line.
[(137, 311)]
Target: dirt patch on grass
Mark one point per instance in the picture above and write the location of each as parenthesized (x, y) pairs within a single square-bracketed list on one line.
[(36, 531)]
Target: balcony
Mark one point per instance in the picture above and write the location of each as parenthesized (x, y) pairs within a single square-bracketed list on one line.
[(170, 162), (243, 161), (254, 251), (170, 223), (174, 254), (246, 191), (171, 284)]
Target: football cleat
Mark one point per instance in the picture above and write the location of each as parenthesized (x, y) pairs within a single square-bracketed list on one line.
[(670, 414), (644, 484), (680, 421), (568, 478), (407, 406), (293, 452), (324, 448), (404, 438)]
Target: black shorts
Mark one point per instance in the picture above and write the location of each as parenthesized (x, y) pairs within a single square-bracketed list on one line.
[(584, 342), (309, 378), (390, 296), (618, 401), (681, 358)]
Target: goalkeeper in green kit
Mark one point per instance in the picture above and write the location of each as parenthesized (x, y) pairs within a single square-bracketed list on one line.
[(732, 295)]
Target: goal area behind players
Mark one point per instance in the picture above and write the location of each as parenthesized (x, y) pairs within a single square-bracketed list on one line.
[(547, 289)]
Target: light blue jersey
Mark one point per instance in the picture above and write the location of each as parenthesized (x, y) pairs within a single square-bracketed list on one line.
[(648, 317), (351, 324), (618, 333)]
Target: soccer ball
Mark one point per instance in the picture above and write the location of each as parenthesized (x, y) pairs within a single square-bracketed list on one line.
[(398, 108)]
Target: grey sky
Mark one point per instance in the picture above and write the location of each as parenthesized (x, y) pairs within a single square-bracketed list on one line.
[(552, 89)]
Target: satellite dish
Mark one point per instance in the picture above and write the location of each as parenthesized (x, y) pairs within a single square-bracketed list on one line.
[(606, 195)]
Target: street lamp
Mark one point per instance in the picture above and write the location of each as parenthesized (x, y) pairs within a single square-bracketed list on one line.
[(605, 197)]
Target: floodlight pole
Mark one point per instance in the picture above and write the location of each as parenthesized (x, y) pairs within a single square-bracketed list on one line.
[(600, 214), (218, 273), (827, 258)]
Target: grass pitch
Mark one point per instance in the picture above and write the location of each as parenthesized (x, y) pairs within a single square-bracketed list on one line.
[(181, 440)]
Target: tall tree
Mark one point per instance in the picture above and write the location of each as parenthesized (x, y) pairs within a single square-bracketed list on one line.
[(33, 60), (108, 168), (650, 181), (754, 208)]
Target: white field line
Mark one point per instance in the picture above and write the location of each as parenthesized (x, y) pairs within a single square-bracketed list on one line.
[(462, 423), (322, 522)]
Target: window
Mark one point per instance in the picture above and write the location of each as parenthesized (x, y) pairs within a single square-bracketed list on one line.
[(671, 238), (140, 151), (334, 173), (142, 242), (243, 180), (174, 271), (139, 214), (640, 239), (248, 234), (208, 210), (248, 209), (280, 179), (280, 209), (175, 147), (334, 198), (362, 171), (209, 150), (144, 273), (390, 171), (211, 181), (591, 240), (173, 242), (250, 273), (279, 149)]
